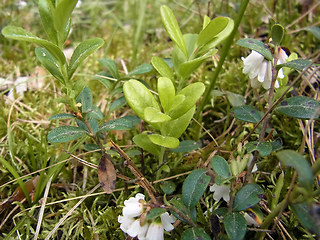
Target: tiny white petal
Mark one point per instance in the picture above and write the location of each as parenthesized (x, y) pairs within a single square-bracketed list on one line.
[(250, 220), (220, 191), (155, 231), (166, 221)]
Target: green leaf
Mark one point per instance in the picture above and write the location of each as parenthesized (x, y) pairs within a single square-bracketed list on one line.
[(153, 115), (118, 103), (65, 134), (143, 141), (21, 34), (116, 124), (264, 148), (50, 63), (302, 211), (192, 94), (195, 234), (194, 186), (297, 64), (192, 213), (211, 30), (85, 98), (221, 167), (236, 100), (299, 107), (162, 67), (155, 212), (93, 123), (235, 225), (164, 141), (111, 67), (61, 116), (277, 33), (186, 146), (139, 97), (166, 92), (82, 51), (314, 30), (247, 197), (257, 46), (95, 113), (247, 113), (293, 159), (141, 69), (171, 25), (46, 10), (168, 187)]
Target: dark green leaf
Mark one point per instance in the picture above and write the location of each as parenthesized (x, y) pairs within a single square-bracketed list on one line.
[(314, 30), (85, 98), (118, 103), (164, 141), (116, 124), (143, 141), (247, 113), (195, 234), (82, 51), (247, 197), (221, 167), (93, 123), (192, 213), (299, 107), (277, 32), (95, 113), (235, 225), (21, 34), (111, 67), (65, 134), (264, 148), (144, 68), (133, 119), (297, 64), (168, 187), (194, 187), (293, 159), (186, 146), (155, 212), (50, 63), (257, 46), (61, 116), (91, 147), (302, 211)]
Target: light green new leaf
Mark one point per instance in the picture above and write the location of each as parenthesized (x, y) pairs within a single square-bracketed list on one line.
[(164, 141), (153, 115), (49, 62), (21, 34), (166, 92), (143, 141), (141, 69), (172, 27), (65, 134), (162, 67), (82, 51), (46, 10), (139, 97)]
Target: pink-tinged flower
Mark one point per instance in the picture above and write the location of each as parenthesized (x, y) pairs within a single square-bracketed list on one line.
[(134, 206), (221, 191)]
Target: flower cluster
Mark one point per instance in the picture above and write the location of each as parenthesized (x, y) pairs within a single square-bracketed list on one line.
[(135, 225), (260, 70)]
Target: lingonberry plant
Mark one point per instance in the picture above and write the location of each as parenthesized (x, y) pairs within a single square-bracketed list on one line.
[(241, 192)]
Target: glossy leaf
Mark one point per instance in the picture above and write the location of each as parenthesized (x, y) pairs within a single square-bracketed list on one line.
[(82, 51), (172, 28), (194, 186), (61, 116), (247, 196), (235, 225), (46, 10), (49, 62), (257, 46), (299, 107), (65, 134), (21, 34), (116, 124), (186, 146), (277, 33), (139, 97), (247, 113), (111, 66), (155, 212), (164, 141), (162, 67), (153, 115), (143, 141), (297, 64), (141, 69), (293, 159), (211, 30), (192, 94), (221, 167), (85, 98), (166, 92), (195, 234)]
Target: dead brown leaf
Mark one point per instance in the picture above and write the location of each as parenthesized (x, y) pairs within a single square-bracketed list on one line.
[(107, 174)]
